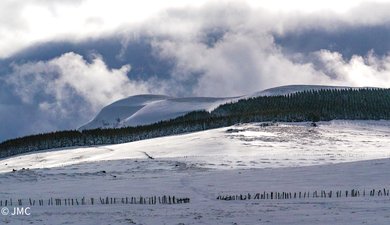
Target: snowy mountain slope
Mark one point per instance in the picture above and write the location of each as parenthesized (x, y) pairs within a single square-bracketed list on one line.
[(113, 114), (240, 146), (147, 109), (246, 158), (172, 108)]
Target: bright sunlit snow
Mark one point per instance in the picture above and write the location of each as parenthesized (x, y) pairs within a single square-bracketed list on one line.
[(241, 146)]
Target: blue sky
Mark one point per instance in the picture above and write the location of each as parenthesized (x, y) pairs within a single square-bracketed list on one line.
[(61, 61)]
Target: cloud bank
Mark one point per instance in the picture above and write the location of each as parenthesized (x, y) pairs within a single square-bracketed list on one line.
[(70, 76), (68, 88), (213, 49)]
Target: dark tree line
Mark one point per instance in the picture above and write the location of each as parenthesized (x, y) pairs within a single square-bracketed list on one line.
[(315, 105), (352, 104)]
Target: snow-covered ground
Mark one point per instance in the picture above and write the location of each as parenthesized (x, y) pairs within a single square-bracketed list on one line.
[(246, 158), (241, 146)]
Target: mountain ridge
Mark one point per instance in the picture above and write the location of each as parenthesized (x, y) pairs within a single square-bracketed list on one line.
[(151, 108)]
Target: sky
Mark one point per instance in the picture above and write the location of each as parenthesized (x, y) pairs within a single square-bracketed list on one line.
[(61, 61)]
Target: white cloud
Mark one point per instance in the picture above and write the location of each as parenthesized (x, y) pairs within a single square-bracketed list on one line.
[(238, 64), (68, 85), (25, 22), (369, 71), (245, 59), (310, 6)]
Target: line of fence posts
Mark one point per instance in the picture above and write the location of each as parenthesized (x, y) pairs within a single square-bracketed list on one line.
[(153, 200), (167, 199), (307, 194)]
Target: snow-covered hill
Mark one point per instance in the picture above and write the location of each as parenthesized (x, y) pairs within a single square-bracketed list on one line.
[(147, 109), (246, 158), (241, 146)]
